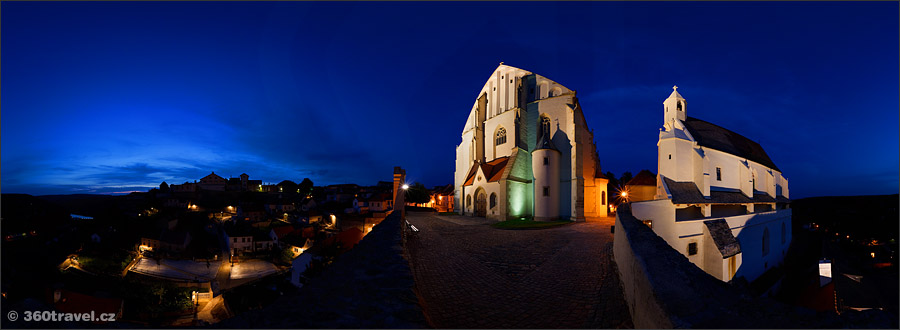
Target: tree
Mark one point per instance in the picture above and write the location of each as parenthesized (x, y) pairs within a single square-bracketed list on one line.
[(306, 187), (613, 182), (417, 193), (625, 178)]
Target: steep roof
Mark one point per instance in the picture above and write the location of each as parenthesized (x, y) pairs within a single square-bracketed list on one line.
[(74, 302), (348, 238), (643, 178), (721, 234), (545, 143), (212, 177), (713, 136), (493, 170), (688, 193)]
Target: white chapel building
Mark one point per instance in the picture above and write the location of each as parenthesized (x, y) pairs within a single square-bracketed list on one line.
[(720, 200), (526, 151)]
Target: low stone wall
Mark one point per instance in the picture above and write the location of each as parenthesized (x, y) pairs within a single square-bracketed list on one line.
[(370, 286), (663, 289)]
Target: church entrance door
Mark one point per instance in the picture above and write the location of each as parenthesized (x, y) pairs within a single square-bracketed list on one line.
[(480, 203)]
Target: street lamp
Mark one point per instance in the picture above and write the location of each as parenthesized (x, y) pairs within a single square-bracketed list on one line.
[(405, 186)]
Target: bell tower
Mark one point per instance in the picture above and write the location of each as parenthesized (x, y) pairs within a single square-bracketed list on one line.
[(674, 107)]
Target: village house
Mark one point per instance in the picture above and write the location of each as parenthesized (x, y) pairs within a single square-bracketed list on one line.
[(442, 198), (168, 240), (642, 187), (213, 182), (342, 193), (240, 239)]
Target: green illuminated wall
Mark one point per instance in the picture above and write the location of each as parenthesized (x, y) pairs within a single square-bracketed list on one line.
[(518, 186)]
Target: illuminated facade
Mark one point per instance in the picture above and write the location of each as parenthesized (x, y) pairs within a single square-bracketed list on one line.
[(720, 200), (526, 151)]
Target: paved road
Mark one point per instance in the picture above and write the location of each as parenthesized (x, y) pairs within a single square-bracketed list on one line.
[(470, 275)]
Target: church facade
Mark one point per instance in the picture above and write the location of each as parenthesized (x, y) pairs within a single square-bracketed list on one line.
[(526, 152), (720, 200)]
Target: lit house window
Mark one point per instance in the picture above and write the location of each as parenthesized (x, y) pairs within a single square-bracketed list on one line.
[(501, 136)]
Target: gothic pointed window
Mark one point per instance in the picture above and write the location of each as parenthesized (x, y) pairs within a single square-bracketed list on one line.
[(493, 200), (545, 126), (501, 136)]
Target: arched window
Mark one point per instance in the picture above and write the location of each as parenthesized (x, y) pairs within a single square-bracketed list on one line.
[(783, 233), (556, 92), (603, 198), (679, 107), (545, 126), (468, 200), (765, 242), (493, 200), (501, 136)]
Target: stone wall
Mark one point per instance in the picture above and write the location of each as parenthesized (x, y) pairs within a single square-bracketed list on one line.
[(370, 286), (663, 289)]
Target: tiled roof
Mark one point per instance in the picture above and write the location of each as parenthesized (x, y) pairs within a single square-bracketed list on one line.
[(174, 237), (643, 178), (545, 143), (282, 231), (721, 234), (347, 238), (493, 170), (74, 302), (713, 136), (470, 178), (688, 193)]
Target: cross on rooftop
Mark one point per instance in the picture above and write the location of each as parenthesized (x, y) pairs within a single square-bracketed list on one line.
[(675, 88)]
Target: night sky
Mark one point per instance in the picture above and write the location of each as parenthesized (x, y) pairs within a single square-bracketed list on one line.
[(115, 97)]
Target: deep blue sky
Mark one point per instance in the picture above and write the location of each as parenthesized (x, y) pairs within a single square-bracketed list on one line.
[(107, 97)]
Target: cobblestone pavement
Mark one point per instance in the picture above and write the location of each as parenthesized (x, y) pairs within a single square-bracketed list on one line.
[(470, 275)]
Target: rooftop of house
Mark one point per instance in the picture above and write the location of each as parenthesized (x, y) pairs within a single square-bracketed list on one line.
[(688, 193), (174, 237), (74, 302), (493, 170), (643, 178), (721, 234), (713, 136)]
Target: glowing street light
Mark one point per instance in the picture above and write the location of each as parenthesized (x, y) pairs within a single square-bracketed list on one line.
[(405, 186)]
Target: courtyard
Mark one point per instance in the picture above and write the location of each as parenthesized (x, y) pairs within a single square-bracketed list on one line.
[(470, 275)]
